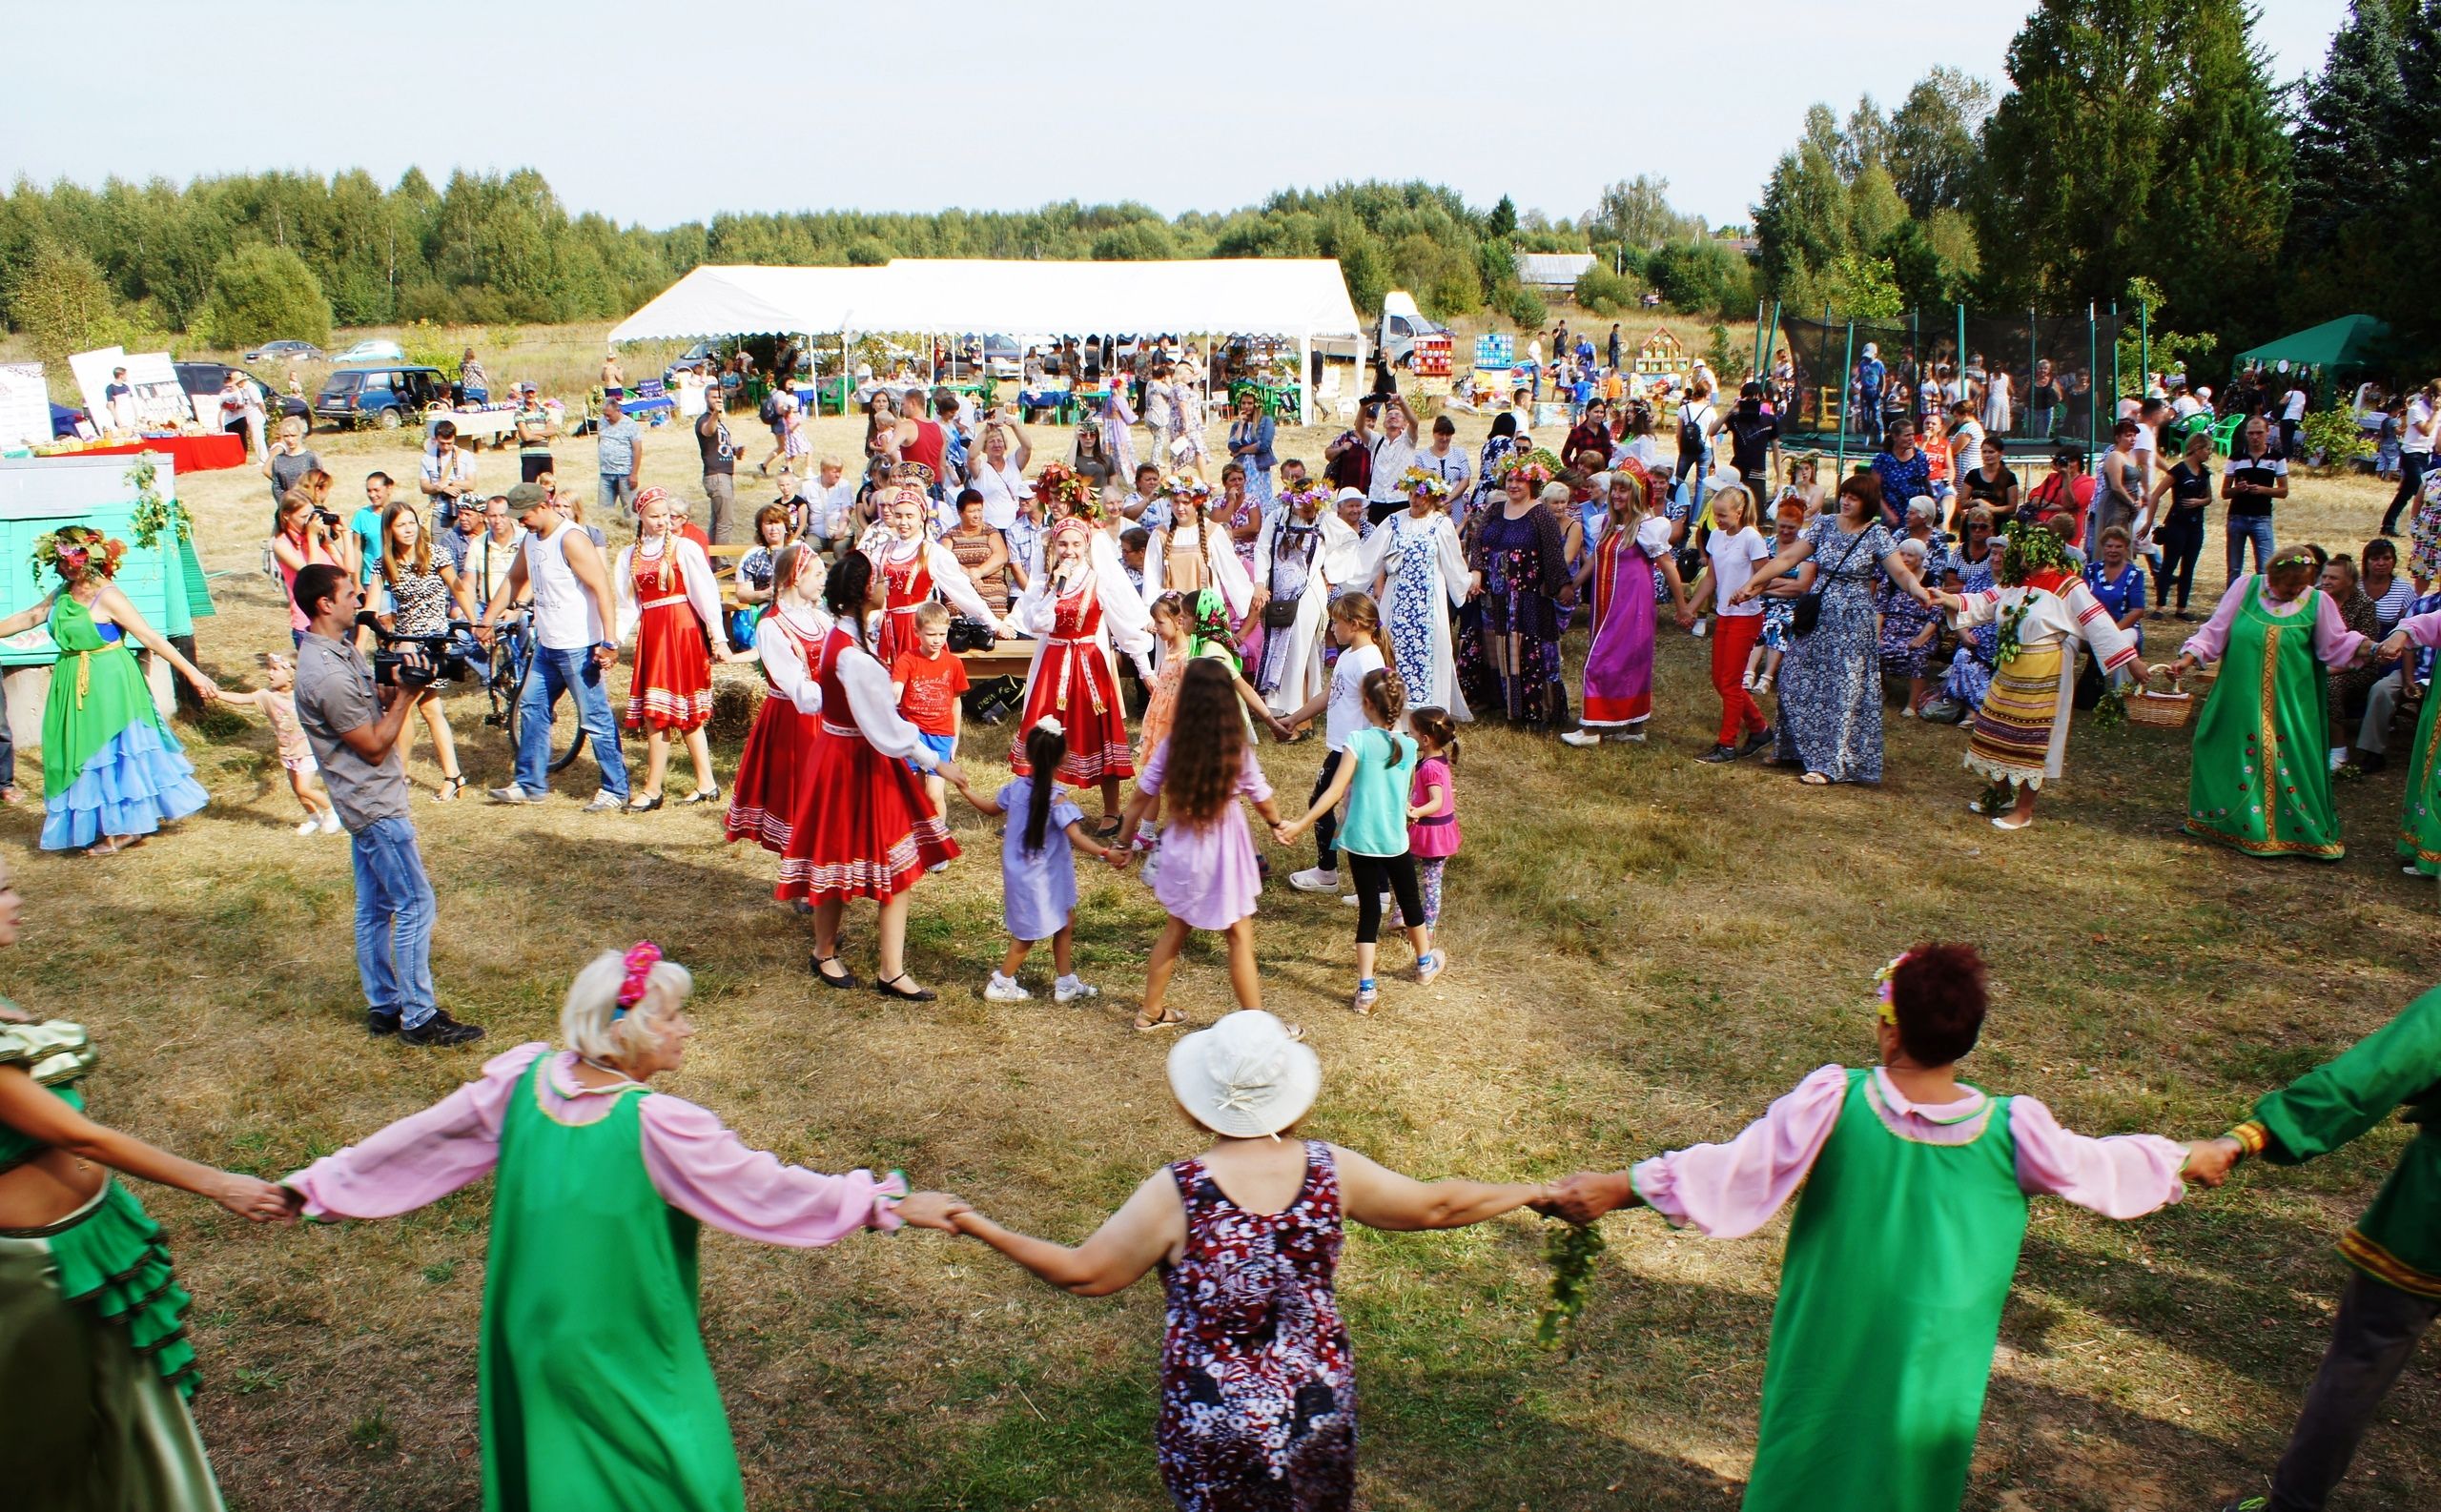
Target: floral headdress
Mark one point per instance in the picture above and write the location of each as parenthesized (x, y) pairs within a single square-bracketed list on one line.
[(1185, 485), (1313, 491), (1421, 483), (73, 551), (2029, 550), (1061, 486), (1072, 525), (911, 480), (640, 958), (1884, 986), (1537, 467)]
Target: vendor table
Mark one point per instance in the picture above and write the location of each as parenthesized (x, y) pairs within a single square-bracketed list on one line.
[(188, 453), (655, 411), (490, 423), (1062, 403)]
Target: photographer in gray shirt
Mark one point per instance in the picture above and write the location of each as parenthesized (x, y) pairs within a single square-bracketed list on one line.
[(353, 724)]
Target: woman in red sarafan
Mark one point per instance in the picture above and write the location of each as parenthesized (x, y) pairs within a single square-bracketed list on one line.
[(667, 600), (862, 827), (1077, 614), (913, 567), (788, 640)]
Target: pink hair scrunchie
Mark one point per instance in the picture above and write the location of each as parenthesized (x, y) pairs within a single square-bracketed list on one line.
[(640, 958)]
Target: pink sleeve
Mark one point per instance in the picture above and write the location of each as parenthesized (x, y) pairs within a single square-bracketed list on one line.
[(1729, 1191), (705, 1171), (2208, 643), (2424, 629), (424, 1156), (1251, 781), (2122, 1177), (2333, 641)]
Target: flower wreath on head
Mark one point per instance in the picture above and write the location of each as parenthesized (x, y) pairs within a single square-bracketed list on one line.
[(2031, 555), (640, 958), (1420, 483), (1061, 486), (1885, 988), (1537, 467), (1184, 485), (1312, 491), (73, 550)]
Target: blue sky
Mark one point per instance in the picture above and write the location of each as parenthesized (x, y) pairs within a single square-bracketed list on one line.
[(919, 106)]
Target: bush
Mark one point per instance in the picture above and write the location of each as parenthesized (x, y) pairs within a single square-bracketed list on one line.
[(261, 293), (1605, 292), (2331, 440), (1523, 307), (1700, 278), (61, 300)]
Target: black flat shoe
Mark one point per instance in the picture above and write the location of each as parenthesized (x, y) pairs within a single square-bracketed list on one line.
[(843, 981), (884, 986), (643, 805), (701, 795)]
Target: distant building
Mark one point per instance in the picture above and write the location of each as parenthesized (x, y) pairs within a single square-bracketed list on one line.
[(1552, 270)]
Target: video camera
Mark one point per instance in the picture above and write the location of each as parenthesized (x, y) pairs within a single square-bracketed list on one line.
[(424, 659)]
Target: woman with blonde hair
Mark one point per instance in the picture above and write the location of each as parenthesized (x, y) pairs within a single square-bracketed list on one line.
[(1633, 544), (669, 602), (595, 1387), (425, 589)]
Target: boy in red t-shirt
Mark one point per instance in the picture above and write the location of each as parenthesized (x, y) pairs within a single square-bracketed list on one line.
[(929, 681)]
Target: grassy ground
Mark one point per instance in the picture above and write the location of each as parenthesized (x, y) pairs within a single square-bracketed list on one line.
[(1646, 951)]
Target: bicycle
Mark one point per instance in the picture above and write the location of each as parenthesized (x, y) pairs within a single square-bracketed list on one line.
[(511, 664)]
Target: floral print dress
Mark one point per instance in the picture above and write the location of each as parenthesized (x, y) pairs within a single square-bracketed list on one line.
[(1830, 682), (1258, 1383)]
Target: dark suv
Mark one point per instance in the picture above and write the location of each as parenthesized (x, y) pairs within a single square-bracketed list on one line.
[(384, 393)]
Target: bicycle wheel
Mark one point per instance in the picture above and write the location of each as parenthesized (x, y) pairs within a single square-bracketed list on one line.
[(567, 731)]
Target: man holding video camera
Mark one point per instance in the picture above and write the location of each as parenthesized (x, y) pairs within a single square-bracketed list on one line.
[(354, 725)]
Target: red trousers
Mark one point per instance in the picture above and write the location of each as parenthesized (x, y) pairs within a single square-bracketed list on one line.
[(1733, 637)]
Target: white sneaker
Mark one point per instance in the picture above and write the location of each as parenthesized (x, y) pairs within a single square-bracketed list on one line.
[(1068, 990), (1581, 739), (1005, 990), (2338, 758), (1314, 879), (313, 826), (1350, 899), (937, 867), (1908, 713), (330, 820), (1749, 683)]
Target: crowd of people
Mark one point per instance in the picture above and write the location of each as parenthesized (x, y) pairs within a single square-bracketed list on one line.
[(1404, 590)]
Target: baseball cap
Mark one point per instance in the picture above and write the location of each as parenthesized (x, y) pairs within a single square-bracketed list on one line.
[(526, 496)]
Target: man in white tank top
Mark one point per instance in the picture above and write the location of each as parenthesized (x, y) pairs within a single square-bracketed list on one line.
[(573, 648)]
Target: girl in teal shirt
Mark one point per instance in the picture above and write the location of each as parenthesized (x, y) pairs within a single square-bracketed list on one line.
[(1375, 778)]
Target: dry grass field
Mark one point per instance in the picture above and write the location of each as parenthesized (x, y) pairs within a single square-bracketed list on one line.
[(1645, 951)]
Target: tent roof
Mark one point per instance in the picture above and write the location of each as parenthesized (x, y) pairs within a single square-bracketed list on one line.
[(1267, 295), (2350, 340), (1551, 268)]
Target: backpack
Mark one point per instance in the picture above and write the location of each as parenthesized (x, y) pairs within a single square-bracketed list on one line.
[(1691, 430), (769, 413)]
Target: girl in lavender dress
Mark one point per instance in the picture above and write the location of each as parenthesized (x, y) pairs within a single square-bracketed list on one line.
[(1258, 1378)]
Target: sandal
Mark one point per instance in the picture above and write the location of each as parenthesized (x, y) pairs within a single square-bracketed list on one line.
[(1108, 827), (701, 795), (451, 786), (1169, 1018), (887, 988), (845, 980), (1815, 780)]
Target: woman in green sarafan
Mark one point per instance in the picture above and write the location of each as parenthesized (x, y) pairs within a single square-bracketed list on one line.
[(595, 1388), (1903, 1247), (96, 1368), (2261, 777), (2420, 811)]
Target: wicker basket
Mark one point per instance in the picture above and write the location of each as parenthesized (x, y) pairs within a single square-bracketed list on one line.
[(2161, 711)]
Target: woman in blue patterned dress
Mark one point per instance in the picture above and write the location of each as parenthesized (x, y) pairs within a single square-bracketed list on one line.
[(1258, 1381), (1830, 722), (1969, 677)]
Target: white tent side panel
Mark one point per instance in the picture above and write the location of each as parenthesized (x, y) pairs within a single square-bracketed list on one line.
[(1271, 296)]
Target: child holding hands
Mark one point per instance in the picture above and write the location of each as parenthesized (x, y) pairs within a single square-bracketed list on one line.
[(1038, 867), (277, 699)]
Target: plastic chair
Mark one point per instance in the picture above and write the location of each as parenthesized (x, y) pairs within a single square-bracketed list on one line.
[(2225, 433)]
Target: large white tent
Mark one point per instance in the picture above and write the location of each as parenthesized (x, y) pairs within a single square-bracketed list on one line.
[(1300, 297)]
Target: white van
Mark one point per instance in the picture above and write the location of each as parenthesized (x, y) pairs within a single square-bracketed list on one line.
[(1401, 323)]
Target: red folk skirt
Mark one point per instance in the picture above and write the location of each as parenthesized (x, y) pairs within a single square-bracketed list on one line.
[(862, 827), (672, 686), (763, 796), (1073, 684)]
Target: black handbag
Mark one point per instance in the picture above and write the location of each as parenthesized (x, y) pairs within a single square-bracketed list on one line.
[(1280, 614), (971, 635), (1808, 612)]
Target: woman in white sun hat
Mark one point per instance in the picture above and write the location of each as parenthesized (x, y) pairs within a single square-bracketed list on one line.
[(1258, 1381)]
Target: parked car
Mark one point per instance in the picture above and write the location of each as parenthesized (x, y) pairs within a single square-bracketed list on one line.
[(285, 352), (373, 350), (388, 395), (705, 353), (203, 380)]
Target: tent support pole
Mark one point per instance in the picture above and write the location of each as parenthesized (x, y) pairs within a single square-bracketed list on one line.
[(2032, 342), (1305, 378), (2093, 384), (2144, 345), (1847, 372)]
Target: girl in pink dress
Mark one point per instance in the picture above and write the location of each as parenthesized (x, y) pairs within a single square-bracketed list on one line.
[(1208, 878)]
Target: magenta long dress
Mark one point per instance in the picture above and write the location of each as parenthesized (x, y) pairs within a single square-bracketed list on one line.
[(1618, 666)]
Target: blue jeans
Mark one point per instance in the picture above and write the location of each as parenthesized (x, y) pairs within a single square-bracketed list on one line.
[(557, 672), (2244, 528), (619, 493), (394, 914)]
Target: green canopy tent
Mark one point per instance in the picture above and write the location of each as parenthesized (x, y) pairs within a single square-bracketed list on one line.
[(2341, 349)]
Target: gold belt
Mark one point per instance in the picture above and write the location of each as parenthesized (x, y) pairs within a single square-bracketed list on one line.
[(85, 667)]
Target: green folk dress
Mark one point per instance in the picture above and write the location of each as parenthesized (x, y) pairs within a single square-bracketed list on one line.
[(2260, 781), (595, 1389), (110, 766), (96, 1368), (2420, 811), (1900, 1257)]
